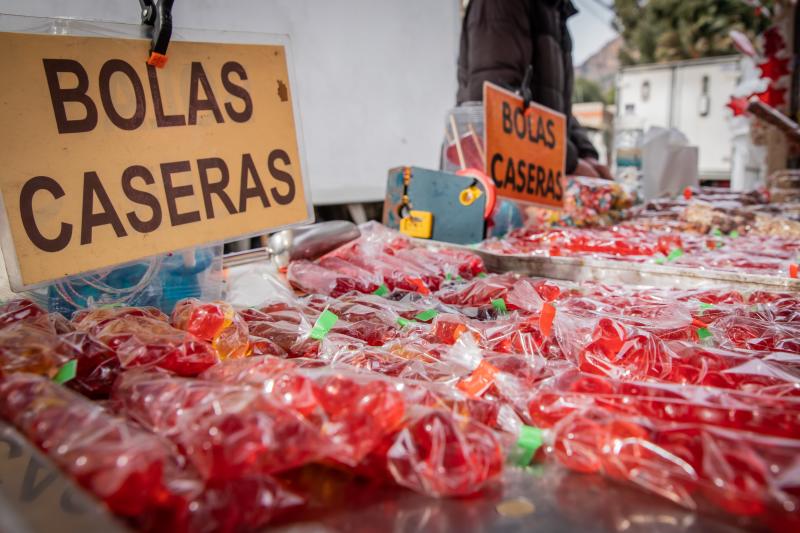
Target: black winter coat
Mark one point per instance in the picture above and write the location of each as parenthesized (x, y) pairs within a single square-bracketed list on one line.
[(500, 38)]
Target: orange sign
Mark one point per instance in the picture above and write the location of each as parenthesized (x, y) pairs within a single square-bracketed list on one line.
[(525, 150), (108, 160)]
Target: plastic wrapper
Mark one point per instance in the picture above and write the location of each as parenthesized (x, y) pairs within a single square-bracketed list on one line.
[(224, 431), (687, 393), (19, 310), (439, 454), (351, 412), (573, 391), (122, 465), (755, 333), (587, 202), (623, 352), (135, 473), (217, 323), (738, 472), (97, 364), (196, 506), (752, 254), (613, 242), (32, 344), (380, 258), (395, 431), (313, 278), (280, 329), (708, 218), (720, 212), (142, 337)]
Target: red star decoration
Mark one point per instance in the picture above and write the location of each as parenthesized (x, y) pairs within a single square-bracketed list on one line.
[(773, 41), (774, 97), (774, 68), (737, 105)]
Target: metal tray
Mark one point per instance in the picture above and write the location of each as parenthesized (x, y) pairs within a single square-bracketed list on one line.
[(580, 269), (35, 497)]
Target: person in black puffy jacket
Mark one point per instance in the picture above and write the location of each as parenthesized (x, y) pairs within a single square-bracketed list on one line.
[(500, 38)]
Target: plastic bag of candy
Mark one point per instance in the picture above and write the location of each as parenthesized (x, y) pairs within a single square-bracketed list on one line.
[(143, 337), (739, 472), (217, 323), (587, 202)]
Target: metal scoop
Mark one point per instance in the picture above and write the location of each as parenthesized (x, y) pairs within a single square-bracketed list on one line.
[(303, 242)]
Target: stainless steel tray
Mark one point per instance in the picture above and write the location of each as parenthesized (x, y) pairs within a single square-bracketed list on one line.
[(35, 497), (580, 269)]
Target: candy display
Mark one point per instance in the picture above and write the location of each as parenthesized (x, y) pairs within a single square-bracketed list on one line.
[(708, 218), (382, 260), (720, 211), (224, 431), (409, 368), (216, 323), (122, 465), (143, 337), (135, 473), (587, 202), (737, 471), (752, 254), (31, 345)]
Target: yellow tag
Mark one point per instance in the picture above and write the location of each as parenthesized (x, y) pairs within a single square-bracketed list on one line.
[(417, 224), (469, 195)]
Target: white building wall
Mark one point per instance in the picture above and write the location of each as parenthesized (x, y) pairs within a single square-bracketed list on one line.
[(710, 131), (677, 99), (632, 95)]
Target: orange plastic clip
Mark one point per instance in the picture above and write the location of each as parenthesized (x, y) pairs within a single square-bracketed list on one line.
[(546, 319), (420, 285), (687, 193), (696, 322), (157, 60), (480, 379), (793, 270), (458, 331)]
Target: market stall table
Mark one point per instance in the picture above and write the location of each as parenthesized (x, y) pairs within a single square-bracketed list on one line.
[(35, 497)]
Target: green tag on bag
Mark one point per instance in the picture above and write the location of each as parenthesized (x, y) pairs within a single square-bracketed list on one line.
[(323, 325), (529, 440), (403, 322), (426, 316), (500, 305), (674, 254), (383, 290), (67, 372), (703, 334)]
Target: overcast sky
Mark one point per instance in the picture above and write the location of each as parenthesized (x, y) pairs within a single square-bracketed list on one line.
[(590, 29)]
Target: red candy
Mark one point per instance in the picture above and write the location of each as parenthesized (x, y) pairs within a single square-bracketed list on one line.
[(225, 431), (143, 338), (17, 310), (117, 462), (216, 323)]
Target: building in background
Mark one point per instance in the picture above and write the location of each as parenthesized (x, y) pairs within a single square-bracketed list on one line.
[(597, 118), (689, 96)]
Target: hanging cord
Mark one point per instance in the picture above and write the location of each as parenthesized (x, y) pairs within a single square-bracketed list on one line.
[(66, 289)]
